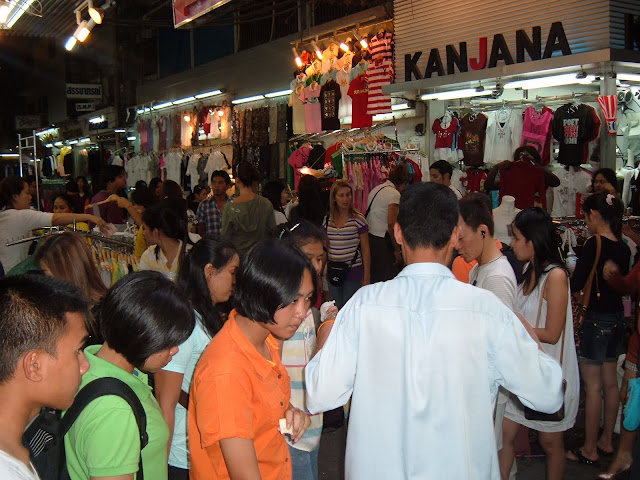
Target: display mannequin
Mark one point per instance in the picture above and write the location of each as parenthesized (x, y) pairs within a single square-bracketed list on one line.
[(503, 217)]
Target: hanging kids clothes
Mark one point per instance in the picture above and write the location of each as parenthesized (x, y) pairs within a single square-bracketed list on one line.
[(343, 79), (329, 98), (359, 93), (471, 138), (536, 132), (379, 74), (504, 132), (381, 46), (445, 130), (312, 112), (574, 126), (297, 105)]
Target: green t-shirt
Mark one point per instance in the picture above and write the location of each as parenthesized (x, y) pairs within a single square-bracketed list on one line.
[(104, 441)]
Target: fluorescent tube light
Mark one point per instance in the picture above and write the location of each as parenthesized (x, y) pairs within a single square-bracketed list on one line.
[(248, 99), (208, 94), (119, 130), (73, 142), (85, 140), (552, 81), (281, 93), (9, 155), (131, 138), (49, 145), (400, 106), (18, 11), (184, 100), (99, 119), (464, 93), (5, 9), (140, 111), (161, 105), (58, 144), (629, 77)]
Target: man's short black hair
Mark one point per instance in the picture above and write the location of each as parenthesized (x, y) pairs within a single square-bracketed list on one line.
[(33, 316), (475, 210), (269, 278), (224, 175), (110, 173), (443, 167), (427, 215), (145, 313)]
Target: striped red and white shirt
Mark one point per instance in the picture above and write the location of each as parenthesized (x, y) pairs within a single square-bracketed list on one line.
[(378, 74)]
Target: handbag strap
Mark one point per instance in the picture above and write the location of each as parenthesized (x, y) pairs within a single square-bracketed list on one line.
[(371, 202), (540, 313), (355, 255), (586, 290)]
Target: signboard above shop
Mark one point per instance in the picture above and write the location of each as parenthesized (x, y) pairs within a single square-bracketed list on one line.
[(84, 90), (184, 11), (85, 107), (28, 122)]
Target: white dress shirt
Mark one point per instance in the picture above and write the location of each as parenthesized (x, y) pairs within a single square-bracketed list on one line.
[(423, 356)]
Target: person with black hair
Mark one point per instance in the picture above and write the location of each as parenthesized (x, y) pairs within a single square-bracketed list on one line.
[(17, 220), (155, 185), (448, 339), (274, 192), (604, 181), (240, 390), (198, 194), (209, 213), (601, 339), (143, 319), (543, 300), (114, 181), (73, 191), (165, 230), (440, 172), (249, 217), (206, 277), (43, 328), (311, 206), (84, 189)]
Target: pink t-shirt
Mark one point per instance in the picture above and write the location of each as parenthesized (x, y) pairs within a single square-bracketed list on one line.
[(312, 111), (297, 160)]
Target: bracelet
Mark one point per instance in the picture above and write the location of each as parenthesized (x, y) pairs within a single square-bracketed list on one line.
[(323, 324)]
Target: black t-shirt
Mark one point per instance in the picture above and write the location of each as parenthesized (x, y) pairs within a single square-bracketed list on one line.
[(610, 301), (329, 103)]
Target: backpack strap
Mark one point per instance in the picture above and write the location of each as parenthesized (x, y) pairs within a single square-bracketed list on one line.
[(371, 202), (108, 386)]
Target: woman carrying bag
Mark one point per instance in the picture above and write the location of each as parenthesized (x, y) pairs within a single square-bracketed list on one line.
[(543, 300)]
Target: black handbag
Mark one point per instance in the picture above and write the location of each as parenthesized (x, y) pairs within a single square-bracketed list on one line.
[(531, 414), (337, 271)]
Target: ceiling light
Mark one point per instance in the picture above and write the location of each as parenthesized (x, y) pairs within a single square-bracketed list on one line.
[(629, 77), (161, 105), (85, 140), (99, 119), (450, 95), (70, 43), (186, 118), (208, 94), (553, 81), (73, 142), (184, 100), (97, 14), (131, 138), (344, 47), (363, 41), (49, 145), (119, 130), (82, 32), (317, 50), (281, 93), (248, 99), (9, 155), (58, 144), (4, 12), (400, 106), (18, 11), (220, 112), (296, 57)]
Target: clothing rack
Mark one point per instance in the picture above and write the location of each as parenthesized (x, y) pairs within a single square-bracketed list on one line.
[(477, 106), (108, 242)]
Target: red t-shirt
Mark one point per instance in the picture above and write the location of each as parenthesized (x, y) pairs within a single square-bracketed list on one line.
[(522, 181), (359, 94)]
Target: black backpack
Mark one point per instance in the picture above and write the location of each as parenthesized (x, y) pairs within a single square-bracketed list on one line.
[(44, 437)]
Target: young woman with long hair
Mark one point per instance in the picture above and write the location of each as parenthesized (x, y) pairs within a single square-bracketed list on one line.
[(206, 277), (347, 232), (543, 299), (601, 339)]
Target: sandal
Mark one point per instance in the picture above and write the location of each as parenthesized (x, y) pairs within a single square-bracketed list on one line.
[(582, 459)]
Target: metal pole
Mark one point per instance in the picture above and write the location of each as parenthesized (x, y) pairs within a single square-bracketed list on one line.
[(35, 163), (20, 154)]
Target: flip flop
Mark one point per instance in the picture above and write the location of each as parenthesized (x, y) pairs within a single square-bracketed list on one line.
[(582, 459), (604, 453)]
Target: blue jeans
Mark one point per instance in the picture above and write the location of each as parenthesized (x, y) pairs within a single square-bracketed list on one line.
[(344, 292), (304, 465)]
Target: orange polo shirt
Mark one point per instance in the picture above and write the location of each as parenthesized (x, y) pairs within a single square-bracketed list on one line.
[(236, 392)]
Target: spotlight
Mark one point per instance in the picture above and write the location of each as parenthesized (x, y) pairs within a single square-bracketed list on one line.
[(362, 40), (5, 9), (71, 42), (317, 50), (82, 32), (581, 74), (97, 14), (186, 118), (344, 46), (298, 60), (220, 112)]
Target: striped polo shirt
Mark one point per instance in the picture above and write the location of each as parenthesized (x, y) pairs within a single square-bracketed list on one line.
[(343, 241)]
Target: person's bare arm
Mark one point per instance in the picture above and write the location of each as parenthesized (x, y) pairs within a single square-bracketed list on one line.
[(67, 218), (240, 458), (557, 295), (366, 258), (131, 210), (168, 388)]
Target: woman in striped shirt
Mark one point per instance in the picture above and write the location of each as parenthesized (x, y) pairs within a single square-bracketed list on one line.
[(347, 233)]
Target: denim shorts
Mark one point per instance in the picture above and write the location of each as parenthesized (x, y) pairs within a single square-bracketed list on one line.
[(601, 339)]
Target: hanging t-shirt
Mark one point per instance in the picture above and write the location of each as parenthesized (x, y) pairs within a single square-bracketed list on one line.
[(343, 79), (381, 46), (379, 74), (471, 138), (523, 181), (172, 164), (536, 132), (297, 107), (297, 160), (312, 112), (142, 130), (504, 132), (445, 130), (571, 183), (574, 126), (473, 180), (162, 133), (359, 93), (329, 98), (177, 130), (186, 131)]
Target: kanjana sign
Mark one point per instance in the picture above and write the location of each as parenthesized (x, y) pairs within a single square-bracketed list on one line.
[(556, 42)]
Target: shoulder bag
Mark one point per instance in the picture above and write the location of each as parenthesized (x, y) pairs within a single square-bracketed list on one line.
[(337, 271), (580, 301), (529, 413)]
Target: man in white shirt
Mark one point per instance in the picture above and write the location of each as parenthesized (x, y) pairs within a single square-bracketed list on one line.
[(42, 333), (423, 355)]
